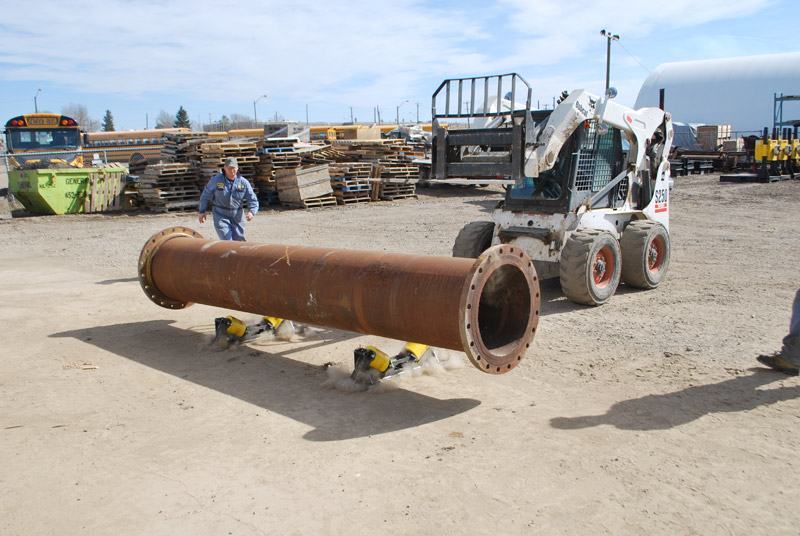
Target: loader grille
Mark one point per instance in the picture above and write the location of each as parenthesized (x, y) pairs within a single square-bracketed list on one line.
[(595, 160)]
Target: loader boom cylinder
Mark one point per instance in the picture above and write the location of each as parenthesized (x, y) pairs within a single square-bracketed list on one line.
[(487, 307)]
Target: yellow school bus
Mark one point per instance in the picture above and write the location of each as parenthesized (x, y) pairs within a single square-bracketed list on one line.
[(44, 132), (128, 145)]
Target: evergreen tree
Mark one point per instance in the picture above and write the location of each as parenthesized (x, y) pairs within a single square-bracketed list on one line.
[(182, 119), (108, 122)]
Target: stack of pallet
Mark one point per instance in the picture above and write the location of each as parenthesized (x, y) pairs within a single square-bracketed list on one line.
[(169, 187), (393, 175), (354, 170), (214, 154), (320, 154), (351, 182), (388, 150), (305, 187), (273, 154), (396, 181), (182, 146)]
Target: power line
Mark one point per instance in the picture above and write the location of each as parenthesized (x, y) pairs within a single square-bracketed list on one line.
[(634, 57)]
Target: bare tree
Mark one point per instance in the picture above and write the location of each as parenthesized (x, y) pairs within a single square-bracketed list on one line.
[(241, 121), (80, 113), (164, 119)]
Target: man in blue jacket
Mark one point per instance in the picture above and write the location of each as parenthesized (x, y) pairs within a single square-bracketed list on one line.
[(788, 359), (227, 193)]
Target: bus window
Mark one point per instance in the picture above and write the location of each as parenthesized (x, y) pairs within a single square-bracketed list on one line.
[(138, 141)]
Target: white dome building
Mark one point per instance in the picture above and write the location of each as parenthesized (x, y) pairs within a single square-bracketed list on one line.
[(736, 91)]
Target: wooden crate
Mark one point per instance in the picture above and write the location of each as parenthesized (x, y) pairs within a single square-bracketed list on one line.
[(295, 185), (711, 137)]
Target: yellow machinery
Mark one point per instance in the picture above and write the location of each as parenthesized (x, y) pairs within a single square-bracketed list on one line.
[(231, 330), (777, 158), (372, 365)]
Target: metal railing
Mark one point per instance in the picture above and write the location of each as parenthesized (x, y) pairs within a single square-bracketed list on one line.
[(493, 90)]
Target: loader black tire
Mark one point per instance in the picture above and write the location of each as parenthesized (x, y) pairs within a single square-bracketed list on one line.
[(645, 254), (473, 239), (590, 267)]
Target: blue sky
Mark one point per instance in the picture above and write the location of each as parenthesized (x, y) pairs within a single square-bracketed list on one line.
[(333, 59)]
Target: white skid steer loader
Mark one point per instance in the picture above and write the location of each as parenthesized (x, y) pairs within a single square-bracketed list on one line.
[(588, 183)]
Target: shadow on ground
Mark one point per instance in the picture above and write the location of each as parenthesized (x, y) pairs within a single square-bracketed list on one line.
[(661, 412), (272, 380)]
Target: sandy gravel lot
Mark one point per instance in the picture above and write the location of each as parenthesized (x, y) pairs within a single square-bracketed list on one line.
[(648, 415)]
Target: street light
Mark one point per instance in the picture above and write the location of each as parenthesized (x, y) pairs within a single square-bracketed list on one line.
[(610, 38), (255, 113), (35, 105), (398, 111)]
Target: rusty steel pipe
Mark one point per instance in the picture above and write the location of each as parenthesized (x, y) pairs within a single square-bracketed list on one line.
[(487, 307)]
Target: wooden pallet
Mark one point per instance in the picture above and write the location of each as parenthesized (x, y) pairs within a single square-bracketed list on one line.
[(347, 198), (390, 192), (311, 202), (350, 185), (176, 206)]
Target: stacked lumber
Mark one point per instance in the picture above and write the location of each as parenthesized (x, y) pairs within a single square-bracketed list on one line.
[(169, 187)]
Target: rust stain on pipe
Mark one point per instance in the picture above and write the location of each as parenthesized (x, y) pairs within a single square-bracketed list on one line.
[(487, 307)]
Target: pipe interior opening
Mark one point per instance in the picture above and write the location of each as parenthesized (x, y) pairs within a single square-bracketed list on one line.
[(504, 307)]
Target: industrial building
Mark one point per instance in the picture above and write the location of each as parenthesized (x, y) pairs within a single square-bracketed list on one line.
[(733, 91)]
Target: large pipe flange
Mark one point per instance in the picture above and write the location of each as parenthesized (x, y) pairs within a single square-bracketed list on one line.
[(146, 261), (499, 309)]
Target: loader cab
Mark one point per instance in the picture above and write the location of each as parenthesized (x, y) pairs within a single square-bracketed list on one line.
[(588, 161)]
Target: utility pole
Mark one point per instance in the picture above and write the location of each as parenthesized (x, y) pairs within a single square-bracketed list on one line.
[(255, 113), (398, 111), (35, 104), (610, 38)]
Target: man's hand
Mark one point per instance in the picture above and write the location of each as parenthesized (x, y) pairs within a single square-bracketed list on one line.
[(249, 215), (201, 217)]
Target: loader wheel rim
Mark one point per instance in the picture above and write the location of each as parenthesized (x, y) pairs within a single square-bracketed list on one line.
[(655, 255), (603, 267)]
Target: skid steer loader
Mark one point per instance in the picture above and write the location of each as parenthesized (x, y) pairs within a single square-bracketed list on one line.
[(587, 183)]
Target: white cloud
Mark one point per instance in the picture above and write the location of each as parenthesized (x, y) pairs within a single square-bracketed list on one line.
[(359, 52)]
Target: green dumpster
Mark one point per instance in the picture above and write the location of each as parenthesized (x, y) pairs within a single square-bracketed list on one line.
[(69, 190)]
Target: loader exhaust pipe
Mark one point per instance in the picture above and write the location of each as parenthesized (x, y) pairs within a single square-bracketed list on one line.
[(486, 307)]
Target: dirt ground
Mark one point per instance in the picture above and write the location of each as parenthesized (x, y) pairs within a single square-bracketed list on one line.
[(648, 415)]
